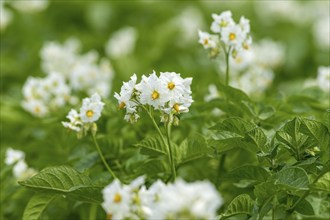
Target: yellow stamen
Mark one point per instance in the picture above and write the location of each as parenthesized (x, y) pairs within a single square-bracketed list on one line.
[(232, 36), (37, 109), (155, 95), (122, 105), (117, 198), (223, 24), (176, 107), (206, 41), (170, 85), (89, 113)]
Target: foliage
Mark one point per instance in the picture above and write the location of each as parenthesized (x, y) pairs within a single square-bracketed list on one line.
[(267, 155)]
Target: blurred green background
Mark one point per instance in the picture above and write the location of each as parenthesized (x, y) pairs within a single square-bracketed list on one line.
[(167, 40)]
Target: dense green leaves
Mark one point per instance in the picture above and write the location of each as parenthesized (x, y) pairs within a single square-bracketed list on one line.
[(67, 181), (292, 178), (37, 204)]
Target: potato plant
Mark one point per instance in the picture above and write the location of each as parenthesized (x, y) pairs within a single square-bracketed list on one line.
[(165, 110)]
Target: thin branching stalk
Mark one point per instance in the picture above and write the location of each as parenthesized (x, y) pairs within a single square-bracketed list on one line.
[(227, 67), (102, 158), (168, 135), (167, 144)]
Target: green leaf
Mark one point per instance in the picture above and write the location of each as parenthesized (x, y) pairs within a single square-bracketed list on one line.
[(249, 172), (235, 126), (264, 191), (242, 204), (258, 138), (67, 181), (295, 141), (320, 133), (304, 207), (323, 183), (192, 148), (232, 93), (292, 178), (37, 204), (231, 143), (152, 146)]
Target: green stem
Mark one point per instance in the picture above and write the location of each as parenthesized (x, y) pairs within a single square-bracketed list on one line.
[(93, 212), (227, 67), (273, 207), (102, 157), (155, 124), (168, 144), (168, 135), (221, 166)]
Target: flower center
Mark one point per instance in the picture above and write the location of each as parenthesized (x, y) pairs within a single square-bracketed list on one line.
[(89, 113), (122, 105), (117, 198), (206, 41), (170, 85), (155, 95), (223, 23), (176, 107), (37, 109), (232, 36)]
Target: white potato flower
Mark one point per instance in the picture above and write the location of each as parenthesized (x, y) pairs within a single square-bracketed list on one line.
[(222, 21), (59, 58), (13, 156), (5, 16), (207, 40), (75, 121), (181, 200), (122, 42), (35, 107), (233, 36), (152, 91), (44, 95), (117, 200), (19, 169), (245, 25), (323, 78), (91, 109), (125, 100)]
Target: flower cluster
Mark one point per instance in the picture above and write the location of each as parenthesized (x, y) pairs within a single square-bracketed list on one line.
[(20, 169), (68, 73), (179, 200), (89, 113), (42, 95), (228, 35), (82, 72), (121, 43), (168, 93)]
